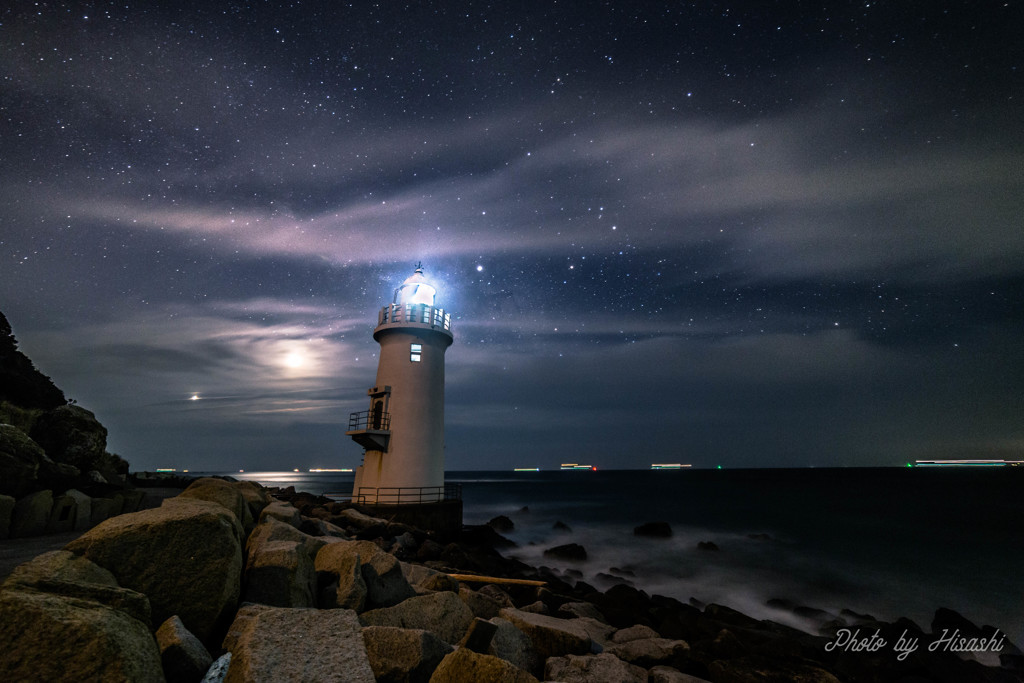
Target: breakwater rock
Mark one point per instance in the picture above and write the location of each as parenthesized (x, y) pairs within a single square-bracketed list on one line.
[(265, 591)]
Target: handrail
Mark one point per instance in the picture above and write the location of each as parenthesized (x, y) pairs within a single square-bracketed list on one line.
[(404, 495), (420, 314), (369, 419)]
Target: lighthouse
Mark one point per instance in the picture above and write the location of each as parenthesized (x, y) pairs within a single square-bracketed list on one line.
[(402, 431)]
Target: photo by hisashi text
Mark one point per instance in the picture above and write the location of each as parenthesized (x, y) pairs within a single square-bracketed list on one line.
[(849, 640)]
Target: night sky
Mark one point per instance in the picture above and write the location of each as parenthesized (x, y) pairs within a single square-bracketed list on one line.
[(748, 234)]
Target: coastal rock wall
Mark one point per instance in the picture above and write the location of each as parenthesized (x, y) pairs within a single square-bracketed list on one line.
[(159, 594)]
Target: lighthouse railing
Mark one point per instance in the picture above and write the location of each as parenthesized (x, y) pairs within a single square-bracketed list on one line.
[(404, 495), (369, 419)]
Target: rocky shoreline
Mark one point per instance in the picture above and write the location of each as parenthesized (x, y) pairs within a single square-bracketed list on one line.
[(232, 581)]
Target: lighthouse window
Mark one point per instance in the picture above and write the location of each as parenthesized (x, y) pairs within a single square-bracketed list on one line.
[(414, 352)]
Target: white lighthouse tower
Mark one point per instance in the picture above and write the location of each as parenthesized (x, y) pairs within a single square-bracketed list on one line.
[(403, 430)]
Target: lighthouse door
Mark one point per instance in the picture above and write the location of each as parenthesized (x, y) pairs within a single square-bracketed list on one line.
[(377, 416)]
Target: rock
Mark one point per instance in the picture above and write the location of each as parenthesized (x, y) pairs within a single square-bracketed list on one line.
[(185, 556), (72, 435), (602, 668), (342, 586), (484, 536), (579, 609), (466, 666), (218, 671), (20, 461), (358, 520), (512, 645), (275, 530), (184, 658), (405, 545), (440, 582), (398, 655), (745, 669), (62, 514), (537, 607), (637, 632), (280, 565), (551, 637), (280, 644), (478, 636), (429, 550), (6, 512), (561, 526), (623, 605), (707, 545), (224, 493), (49, 637), (320, 527), (599, 632), (63, 573), (255, 496), (31, 514), (653, 530), (83, 509), (382, 573), (102, 509), (443, 614), (280, 573), (482, 605), (501, 524), (648, 652), (666, 674), (281, 511), (573, 552)]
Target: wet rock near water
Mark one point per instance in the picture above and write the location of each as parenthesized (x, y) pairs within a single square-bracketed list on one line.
[(573, 552)]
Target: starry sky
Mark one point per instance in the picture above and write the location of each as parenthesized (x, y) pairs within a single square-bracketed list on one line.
[(747, 234)]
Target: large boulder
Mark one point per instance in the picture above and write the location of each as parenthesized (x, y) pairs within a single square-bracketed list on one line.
[(20, 461), (48, 637), (6, 513), (386, 585), (648, 652), (72, 435), (83, 509), (256, 497), (186, 556), (280, 573), (273, 529), (466, 666), (63, 573), (184, 658), (225, 493), (62, 515), (403, 655), (280, 644), (31, 514), (343, 584), (592, 669), (512, 645), (443, 614), (551, 637), (282, 512), (279, 566)]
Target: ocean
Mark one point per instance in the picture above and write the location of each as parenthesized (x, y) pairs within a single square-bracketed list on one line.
[(889, 542)]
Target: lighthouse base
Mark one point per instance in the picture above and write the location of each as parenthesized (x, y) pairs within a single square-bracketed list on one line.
[(443, 518)]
